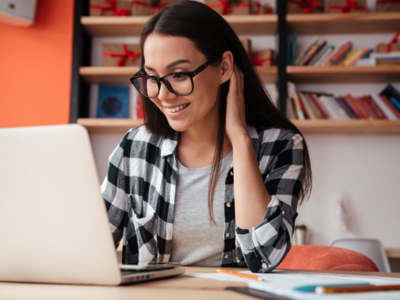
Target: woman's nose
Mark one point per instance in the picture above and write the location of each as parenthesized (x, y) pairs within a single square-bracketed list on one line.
[(165, 94)]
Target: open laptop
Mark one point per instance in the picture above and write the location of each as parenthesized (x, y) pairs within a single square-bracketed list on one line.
[(53, 222)]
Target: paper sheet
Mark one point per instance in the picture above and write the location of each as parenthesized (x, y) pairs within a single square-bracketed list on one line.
[(282, 283)]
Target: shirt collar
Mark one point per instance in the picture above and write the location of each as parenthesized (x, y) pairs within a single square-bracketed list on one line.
[(170, 143)]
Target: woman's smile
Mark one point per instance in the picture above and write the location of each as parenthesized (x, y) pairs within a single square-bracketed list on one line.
[(175, 111)]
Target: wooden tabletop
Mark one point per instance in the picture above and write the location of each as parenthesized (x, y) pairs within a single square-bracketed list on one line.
[(182, 287)]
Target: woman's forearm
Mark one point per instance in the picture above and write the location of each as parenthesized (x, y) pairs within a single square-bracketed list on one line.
[(251, 196)]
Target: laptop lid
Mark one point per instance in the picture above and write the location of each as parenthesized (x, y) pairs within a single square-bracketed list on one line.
[(53, 221)]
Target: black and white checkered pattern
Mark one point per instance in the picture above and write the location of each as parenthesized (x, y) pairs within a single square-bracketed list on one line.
[(139, 192)]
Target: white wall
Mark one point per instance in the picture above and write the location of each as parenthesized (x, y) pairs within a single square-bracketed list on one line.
[(366, 168)]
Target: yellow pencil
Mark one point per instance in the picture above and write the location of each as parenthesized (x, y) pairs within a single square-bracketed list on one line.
[(237, 274)]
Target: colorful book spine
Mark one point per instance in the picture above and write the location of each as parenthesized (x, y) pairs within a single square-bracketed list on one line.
[(366, 108), (370, 109), (311, 105), (293, 94), (353, 108), (343, 107), (306, 108), (316, 104), (359, 107), (388, 111), (346, 106), (389, 104), (375, 107)]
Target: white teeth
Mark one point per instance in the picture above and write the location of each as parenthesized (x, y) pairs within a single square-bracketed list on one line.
[(176, 108)]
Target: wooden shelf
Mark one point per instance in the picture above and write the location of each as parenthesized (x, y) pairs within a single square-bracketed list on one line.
[(305, 126), (348, 126), (335, 74), (121, 75), (393, 252), (132, 26), (109, 125), (343, 23)]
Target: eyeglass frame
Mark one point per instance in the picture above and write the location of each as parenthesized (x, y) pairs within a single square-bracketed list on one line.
[(192, 74)]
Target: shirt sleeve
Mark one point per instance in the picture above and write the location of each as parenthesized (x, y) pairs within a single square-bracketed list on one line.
[(113, 192), (267, 244)]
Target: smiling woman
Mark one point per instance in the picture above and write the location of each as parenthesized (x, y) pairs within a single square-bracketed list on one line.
[(171, 190)]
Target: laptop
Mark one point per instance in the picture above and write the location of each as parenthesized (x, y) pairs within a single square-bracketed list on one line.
[(53, 222)]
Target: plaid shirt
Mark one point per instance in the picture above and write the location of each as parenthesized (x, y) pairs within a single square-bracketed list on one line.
[(139, 192)]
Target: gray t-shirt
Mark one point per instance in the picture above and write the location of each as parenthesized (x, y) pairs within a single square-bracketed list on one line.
[(195, 241)]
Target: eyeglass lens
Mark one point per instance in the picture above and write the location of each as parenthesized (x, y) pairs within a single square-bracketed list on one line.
[(178, 82)]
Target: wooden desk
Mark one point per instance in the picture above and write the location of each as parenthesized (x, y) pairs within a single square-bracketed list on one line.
[(183, 287)]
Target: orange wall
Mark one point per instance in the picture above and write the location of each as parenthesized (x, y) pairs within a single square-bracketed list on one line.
[(35, 67)]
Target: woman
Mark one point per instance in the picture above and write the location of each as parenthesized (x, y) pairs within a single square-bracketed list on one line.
[(214, 176)]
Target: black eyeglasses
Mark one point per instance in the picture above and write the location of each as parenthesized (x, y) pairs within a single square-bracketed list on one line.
[(179, 83)]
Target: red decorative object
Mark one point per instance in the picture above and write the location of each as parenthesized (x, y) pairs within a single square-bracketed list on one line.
[(264, 9), (226, 7), (348, 7), (156, 8), (307, 5), (259, 62), (112, 7), (132, 55)]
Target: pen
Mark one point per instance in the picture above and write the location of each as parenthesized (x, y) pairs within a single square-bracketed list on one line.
[(373, 288), (311, 288), (237, 274)]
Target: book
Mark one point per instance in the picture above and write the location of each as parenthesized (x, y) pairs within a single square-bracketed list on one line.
[(309, 106), (353, 108), (289, 109), (318, 55), (390, 105), (370, 109), (341, 54), (314, 51), (343, 108), (113, 101), (352, 60), (316, 104), (305, 107), (364, 114), (393, 95), (340, 112), (312, 106), (352, 53), (390, 114), (324, 53), (375, 107), (324, 62), (306, 49), (293, 94), (366, 108), (324, 103), (346, 107)]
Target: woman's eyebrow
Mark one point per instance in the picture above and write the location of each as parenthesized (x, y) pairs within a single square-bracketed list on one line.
[(181, 61)]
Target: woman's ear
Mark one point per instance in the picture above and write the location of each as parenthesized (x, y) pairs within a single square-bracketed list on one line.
[(226, 66)]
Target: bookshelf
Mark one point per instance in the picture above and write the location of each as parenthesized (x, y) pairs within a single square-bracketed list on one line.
[(132, 26), (88, 27), (343, 23), (118, 75), (336, 74)]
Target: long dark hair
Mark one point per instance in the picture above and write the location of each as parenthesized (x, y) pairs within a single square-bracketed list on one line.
[(212, 35)]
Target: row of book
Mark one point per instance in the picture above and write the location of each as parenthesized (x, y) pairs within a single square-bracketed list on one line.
[(311, 105), (322, 54)]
